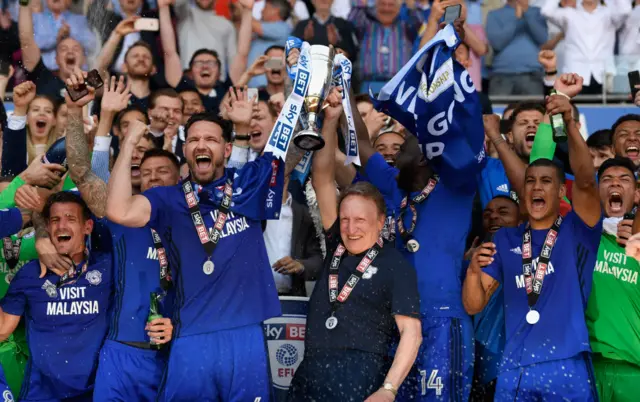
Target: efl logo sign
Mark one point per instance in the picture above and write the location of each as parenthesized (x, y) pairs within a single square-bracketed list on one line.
[(285, 340), (281, 136)]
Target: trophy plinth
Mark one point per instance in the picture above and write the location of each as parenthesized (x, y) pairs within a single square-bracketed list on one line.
[(309, 140), (319, 87)]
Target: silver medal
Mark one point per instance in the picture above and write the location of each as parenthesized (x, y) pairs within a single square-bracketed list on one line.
[(413, 246), (331, 322), (533, 317), (208, 267)]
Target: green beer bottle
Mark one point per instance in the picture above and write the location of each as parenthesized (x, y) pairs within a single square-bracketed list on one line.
[(153, 314), (557, 123)]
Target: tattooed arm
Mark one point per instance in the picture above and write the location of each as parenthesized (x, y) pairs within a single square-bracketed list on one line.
[(92, 189), (40, 226)]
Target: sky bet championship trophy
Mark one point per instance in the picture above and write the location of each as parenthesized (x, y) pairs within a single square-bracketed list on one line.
[(316, 72), (320, 84)]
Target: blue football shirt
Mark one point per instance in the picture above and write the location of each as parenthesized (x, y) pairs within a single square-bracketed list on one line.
[(240, 291), (561, 332), (136, 273), (444, 220), (65, 327), (492, 181)]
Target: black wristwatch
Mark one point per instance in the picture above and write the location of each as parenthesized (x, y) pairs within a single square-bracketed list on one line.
[(24, 2), (241, 137)]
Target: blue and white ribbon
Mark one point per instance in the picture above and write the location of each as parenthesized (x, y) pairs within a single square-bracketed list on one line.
[(284, 129), (342, 77), (302, 169)]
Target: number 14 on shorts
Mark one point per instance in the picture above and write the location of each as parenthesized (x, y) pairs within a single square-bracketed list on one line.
[(434, 382)]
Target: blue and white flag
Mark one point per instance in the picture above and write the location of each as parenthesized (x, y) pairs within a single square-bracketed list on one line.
[(434, 98)]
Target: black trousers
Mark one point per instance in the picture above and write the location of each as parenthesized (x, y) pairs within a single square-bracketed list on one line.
[(337, 375)]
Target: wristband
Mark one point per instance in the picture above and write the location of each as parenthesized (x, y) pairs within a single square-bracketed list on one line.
[(241, 137), (24, 2), (497, 141), (549, 73)]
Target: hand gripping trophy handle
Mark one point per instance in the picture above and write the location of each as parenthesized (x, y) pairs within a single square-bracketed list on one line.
[(319, 87)]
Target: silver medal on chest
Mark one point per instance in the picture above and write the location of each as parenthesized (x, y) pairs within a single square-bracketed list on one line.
[(331, 322), (533, 317), (208, 267)]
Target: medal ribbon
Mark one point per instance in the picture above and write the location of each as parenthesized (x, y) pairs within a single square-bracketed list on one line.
[(11, 251), (334, 296), (533, 283), (209, 239), (165, 274), (418, 199), (75, 275)]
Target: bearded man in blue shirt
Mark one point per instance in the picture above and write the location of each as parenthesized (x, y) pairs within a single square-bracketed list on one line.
[(224, 285)]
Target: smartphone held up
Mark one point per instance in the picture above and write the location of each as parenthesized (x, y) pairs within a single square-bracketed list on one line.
[(93, 79)]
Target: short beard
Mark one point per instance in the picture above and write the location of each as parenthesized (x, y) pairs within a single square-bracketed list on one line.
[(209, 176), (135, 76)]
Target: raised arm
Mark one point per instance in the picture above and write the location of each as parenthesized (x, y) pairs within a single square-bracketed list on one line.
[(105, 57), (513, 165), (323, 165), (123, 207), (30, 50), (172, 65), (240, 60), (433, 22), (345, 174), (92, 189), (535, 24), (501, 31), (585, 198), (479, 46)]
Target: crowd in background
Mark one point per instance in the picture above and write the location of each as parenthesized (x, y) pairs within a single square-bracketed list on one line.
[(202, 59)]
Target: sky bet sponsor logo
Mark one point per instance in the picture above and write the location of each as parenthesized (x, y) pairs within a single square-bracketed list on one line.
[(520, 282), (302, 79), (281, 136), (281, 332)]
